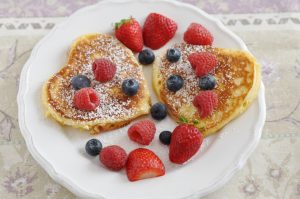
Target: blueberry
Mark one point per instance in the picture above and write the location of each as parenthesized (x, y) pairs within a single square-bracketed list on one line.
[(174, 83), (80, 81), (93, 147), (146, 57), (207, 82), (173, 55), (165, 137), (158, 111), (130, 87)]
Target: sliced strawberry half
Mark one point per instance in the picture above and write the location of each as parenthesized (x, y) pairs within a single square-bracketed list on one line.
[(142, 164)]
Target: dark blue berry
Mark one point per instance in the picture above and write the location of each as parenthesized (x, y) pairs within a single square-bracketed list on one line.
[(207, 82), (174, 83), (80, 81), (158, 111), (93, 147), (173, 55), (130, 87), (146, 57), (165, 137)]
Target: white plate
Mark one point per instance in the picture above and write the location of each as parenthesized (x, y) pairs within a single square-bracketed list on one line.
[(60, 150)]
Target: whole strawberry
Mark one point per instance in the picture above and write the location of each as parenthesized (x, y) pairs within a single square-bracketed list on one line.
[(202, 62), (197, 34), (143, 163), (158, 30), (129, 32), (185, 142), (206, 102)]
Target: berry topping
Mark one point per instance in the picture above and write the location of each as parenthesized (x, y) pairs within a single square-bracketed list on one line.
[(173, 55), (130, 87), (142, 132), (129, 32), (159, 111), (146, 57), (165, 137), (104, 70), (80, 81), (202, 62), (93, 147), (113, 157), (186, 141), (174, 83), (206, 102), (143, 163), (196, 34), (86, 99), (207, 82), (158, 30)]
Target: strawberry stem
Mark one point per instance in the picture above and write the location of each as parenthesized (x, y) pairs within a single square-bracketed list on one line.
[(121, 22), (183, 119)]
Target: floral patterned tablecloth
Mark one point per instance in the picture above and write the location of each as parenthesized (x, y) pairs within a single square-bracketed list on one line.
[(273, 170)]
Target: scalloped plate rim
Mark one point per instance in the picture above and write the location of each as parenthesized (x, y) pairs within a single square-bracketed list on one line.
[(84, 193)]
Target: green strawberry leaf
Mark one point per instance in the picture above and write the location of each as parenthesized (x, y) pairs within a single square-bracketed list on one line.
[(196, 122), (183, 119), (123, 21)]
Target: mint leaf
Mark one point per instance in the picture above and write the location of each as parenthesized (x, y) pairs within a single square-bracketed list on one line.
[(202, 129), (183, 119), (196, 121)]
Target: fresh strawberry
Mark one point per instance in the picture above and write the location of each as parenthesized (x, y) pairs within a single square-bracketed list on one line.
[(143, 163), (158, 30), (206, 102), (185, 142), (142, 132), (202, 62), (196, 34), (86, 99), (129, 32), (113, 157), (104, 70)]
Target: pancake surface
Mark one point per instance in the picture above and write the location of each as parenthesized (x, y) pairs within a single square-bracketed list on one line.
[(238, 80), (115, 109)]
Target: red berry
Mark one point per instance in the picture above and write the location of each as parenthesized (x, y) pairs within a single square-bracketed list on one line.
[(86, 99), (196, 34), (142, 132), (143, 163), (113, 157), (158, 30), (104, 70), (202, 62), (206, 102), (129, 32), (185, 142)]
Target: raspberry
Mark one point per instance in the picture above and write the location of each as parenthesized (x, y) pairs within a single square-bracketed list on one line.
[(206, 102), (142, 132), (202, 62), (196, 34), (86, 99), (104, 70), (113, 157)]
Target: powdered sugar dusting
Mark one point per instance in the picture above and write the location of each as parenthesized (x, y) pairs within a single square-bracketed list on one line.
[(113, 103), (229, 68), (183, 68)]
